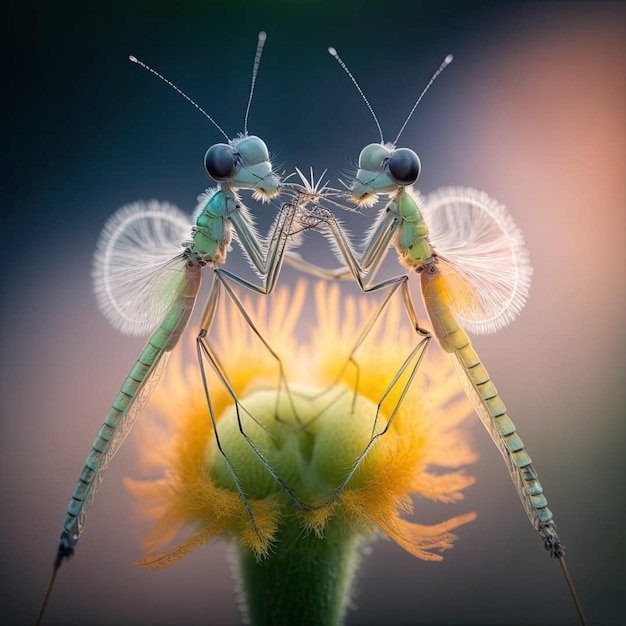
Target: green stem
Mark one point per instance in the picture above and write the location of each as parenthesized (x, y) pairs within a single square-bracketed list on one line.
[(306, 580)]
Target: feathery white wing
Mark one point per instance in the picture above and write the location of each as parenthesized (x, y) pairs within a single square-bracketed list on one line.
[(136, 263), (483, 255)]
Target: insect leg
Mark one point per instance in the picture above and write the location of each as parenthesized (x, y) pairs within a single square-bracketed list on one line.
[(205, 351)]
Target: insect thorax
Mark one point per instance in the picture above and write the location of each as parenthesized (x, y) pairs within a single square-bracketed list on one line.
[(412, 241), (212, 231)]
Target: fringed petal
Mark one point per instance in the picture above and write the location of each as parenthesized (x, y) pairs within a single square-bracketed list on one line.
[(419, 540), (443, 487), (424, 435)]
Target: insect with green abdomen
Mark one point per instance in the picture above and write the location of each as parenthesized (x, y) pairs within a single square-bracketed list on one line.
[(147, 276), (475, 276)]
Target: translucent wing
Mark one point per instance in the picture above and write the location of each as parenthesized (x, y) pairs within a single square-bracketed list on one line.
[(483, 257), (137, 259)]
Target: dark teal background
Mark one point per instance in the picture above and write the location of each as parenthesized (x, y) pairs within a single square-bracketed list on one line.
[(87, 131)]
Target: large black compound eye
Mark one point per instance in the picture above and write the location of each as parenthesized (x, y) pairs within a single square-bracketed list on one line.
[(404, 166), (220, 162)]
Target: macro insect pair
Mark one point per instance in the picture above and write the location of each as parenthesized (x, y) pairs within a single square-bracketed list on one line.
[(469, 255)]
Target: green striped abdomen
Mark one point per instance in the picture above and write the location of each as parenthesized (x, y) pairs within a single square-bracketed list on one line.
[(129, 401), (493, 413), (488, 404)]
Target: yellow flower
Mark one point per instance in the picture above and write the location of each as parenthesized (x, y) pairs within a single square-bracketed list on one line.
[(309, 433)]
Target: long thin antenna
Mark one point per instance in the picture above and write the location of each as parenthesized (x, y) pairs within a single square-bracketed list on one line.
[(333, 53), (182, 93), (255, 69), (442, 67)]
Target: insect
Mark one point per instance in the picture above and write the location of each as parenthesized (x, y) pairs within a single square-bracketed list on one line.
[(146, 281), (474, 273)]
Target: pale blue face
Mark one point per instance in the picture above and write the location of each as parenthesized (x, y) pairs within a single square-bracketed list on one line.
[(384, 169), (243, 163)]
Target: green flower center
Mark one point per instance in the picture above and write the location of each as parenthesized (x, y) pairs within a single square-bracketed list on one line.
[(309, 436)]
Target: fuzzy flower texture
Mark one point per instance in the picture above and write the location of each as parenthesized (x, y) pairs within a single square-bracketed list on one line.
[(309, 425)]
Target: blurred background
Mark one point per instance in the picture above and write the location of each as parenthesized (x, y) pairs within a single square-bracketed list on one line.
[(533, 111)]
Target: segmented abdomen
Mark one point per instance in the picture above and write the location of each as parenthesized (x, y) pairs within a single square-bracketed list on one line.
[(489, 406), (129, 402)]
